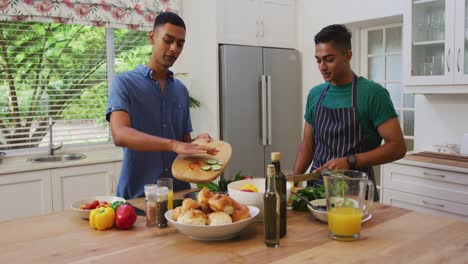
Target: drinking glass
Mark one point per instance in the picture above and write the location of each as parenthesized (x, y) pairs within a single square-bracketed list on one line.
[(167, 182)]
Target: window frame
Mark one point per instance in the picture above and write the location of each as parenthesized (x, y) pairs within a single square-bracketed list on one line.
[(109, 39), (363, 66)]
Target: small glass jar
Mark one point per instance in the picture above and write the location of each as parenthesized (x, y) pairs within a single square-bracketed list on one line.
[(150, 197), (161, 206)]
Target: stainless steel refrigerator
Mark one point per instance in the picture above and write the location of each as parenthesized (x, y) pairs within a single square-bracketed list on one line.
[(261, 106)]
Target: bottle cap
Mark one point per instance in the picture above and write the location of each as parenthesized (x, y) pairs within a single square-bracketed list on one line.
[(150, 190), (275, 156)]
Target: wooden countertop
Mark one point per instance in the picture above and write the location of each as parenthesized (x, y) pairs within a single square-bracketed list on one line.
[(394, 235)]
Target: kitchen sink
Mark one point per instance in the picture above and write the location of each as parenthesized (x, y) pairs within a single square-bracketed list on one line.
[(58, 157)]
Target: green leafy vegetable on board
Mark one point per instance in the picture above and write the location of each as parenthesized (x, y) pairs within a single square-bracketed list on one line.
[(310, 193), (221, 186)]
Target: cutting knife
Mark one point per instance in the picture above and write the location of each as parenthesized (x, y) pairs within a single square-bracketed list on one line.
[(303, 177)]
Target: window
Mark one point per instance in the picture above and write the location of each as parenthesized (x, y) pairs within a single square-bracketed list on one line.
[(382, 62), (60, 71)]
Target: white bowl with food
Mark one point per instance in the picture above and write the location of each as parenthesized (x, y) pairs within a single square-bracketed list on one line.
[(235, 190), (82, 212), (219, 231), (320, 210)]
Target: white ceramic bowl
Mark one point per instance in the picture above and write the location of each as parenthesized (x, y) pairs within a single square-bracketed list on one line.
[(322, 215), (319, 214), (85, 213), (252, 198), (206, 232)]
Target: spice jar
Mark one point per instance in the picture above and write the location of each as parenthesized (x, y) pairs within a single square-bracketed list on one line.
[(150, 197), (161, 206)]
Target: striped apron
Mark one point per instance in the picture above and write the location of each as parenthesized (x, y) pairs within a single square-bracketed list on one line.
[(338, 133)]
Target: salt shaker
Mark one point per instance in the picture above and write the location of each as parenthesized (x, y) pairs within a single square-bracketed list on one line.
[(161, 206), (151, 201)]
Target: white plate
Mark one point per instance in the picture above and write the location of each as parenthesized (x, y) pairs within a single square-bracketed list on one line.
[(85, 213), (322, 215), (206, 232)]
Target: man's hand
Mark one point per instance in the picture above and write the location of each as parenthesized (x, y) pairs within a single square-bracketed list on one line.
[(335, 164), (191, 149)]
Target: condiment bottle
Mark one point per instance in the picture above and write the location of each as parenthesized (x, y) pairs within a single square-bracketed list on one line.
[(150, 197), (280, 180), (161, 206), (271, 214)]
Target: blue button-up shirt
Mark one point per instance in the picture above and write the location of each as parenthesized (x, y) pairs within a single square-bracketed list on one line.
[(153, 112)]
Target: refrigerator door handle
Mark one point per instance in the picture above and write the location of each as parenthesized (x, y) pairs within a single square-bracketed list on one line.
[(264, 111), (270, 138)]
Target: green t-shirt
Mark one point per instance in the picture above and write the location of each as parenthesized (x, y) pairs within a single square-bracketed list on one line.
[(374, 105)]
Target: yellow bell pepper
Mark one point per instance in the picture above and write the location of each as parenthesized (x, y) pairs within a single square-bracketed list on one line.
[(102, 218)]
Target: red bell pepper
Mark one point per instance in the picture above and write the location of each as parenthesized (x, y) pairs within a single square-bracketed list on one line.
[(125, 216)]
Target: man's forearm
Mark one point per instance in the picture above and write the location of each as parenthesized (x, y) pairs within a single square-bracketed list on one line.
[(385, 153), (139, 141), (303, 159)]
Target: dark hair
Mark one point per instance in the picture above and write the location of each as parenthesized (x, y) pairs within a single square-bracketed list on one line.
[(168, 17), (339, 35)]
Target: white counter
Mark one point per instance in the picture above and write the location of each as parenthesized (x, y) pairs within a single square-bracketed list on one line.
[(432, 165), (21, 163)]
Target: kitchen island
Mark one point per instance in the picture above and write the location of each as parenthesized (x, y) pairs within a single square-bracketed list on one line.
[(394, 235)]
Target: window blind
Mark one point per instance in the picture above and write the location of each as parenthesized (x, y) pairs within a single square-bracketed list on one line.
[(60, 71)]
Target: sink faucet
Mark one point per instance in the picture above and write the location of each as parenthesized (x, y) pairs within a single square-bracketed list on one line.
[(52, 147)]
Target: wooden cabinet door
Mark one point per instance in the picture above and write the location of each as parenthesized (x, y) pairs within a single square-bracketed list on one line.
[(25, 194), (426, 204), (75, 183), (116, 176), (278, 23), (461, 42), (238, 22)]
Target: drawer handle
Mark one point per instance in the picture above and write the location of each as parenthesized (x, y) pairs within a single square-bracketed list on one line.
[(434, 175), (428, 203)]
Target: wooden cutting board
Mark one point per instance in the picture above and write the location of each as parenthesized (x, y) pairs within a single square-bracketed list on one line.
[(188, 167), (439, 158)]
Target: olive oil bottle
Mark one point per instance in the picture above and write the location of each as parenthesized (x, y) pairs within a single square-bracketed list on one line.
[(280, 180), (271, 214)]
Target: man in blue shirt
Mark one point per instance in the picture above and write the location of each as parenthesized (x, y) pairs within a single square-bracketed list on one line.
[(148, 110)]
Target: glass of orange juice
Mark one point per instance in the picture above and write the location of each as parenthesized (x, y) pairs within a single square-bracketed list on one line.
[(347, 203), (167, 182)]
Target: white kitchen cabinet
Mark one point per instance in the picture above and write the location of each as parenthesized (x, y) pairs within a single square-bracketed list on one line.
[(74, 183), (267, 23), (427, 190), (435, 46), (116, 176), (25, 194)]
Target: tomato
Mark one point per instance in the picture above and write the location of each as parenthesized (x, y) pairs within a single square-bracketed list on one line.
[(92, 205), (192, 165)]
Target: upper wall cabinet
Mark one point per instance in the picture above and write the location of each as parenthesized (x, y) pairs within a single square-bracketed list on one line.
[(267, 23), (435, 46)]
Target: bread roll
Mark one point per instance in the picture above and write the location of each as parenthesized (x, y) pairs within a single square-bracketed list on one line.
[(203, 196), (189, 203), (178, 211), (241, 213), (219, 218), (223, 203), (193, 217)]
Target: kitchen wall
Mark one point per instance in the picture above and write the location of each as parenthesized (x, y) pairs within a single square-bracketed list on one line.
[(200, 59), (440, 119)]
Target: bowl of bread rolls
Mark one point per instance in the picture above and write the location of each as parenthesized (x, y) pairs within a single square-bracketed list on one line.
[(250, 192), (212, 216)]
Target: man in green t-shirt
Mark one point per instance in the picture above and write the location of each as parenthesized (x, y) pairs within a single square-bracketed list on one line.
[(347, 116)]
